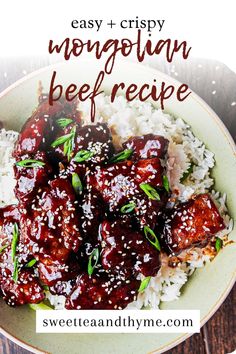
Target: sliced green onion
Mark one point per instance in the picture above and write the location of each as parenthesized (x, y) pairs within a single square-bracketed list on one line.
[(151, 237), (14, 242), (76, 183), (15, 237), (15, 270), (2, 248), (67, 148), (30, 163), (144, 284), (121, 156), (63, 122), (150, 191), (67, 140), (127, 208), (31, 263), (93, 260), (187, 173), (83, 155), (45, 287), (40, 306), (218, 244), (166, 184), (61, 140), (68, 145)]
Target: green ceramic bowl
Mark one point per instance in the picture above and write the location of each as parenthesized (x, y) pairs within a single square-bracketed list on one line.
[(207, 288)]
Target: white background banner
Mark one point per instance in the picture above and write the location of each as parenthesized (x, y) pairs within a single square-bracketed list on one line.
[(208, 26), (112, 321)]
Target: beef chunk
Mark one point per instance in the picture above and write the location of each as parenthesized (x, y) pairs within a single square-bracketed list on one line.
[(147, 146), (127, 252), (30, 179), (94, 141), (52, 221), (119, 184), (36, 129), (97, 140), (26, 290), (54, 272), (9, 220), (101, 292), (54, 260), (192, 223)]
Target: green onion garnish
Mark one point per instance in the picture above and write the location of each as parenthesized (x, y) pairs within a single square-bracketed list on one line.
[(83, 155), (67, 148), (61, 140), (187, 173), (127, 208), (31, 263), (153, 239), (76, 183), (40, 306), (150, 191), (121, 156), (144, 284), (67, 140), (14, 242), (30, 163), (218, 244), (166, 184), (2, 248), (15, 270), (93, 260), (15, 237), (63, 122)]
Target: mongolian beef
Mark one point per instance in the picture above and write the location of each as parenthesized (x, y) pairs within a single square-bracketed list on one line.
[(91, 220)]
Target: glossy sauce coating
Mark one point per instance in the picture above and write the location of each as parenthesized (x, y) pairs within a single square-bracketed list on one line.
[(126, 253), (192, 223), (61, 223), (101, 292), (147, 146)]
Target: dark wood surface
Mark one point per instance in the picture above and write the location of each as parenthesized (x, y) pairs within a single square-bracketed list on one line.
[(216, 84)]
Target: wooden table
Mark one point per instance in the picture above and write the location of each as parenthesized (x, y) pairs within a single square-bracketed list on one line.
[(216, 84)]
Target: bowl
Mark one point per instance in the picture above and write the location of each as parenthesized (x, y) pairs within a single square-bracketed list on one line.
[(207, 288)]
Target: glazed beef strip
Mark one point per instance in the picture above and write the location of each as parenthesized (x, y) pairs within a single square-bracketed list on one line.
[(191, 223)]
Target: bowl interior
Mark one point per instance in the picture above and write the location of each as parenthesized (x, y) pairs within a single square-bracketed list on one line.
[(208, 287)]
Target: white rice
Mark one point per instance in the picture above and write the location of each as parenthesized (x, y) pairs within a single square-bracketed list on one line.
[(137, 118), (7, 180)]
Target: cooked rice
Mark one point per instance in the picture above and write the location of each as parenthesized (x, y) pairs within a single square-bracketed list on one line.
[(7, 180), (137, 118)]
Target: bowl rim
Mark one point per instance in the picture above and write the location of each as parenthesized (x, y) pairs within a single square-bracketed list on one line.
[(224, 131)]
